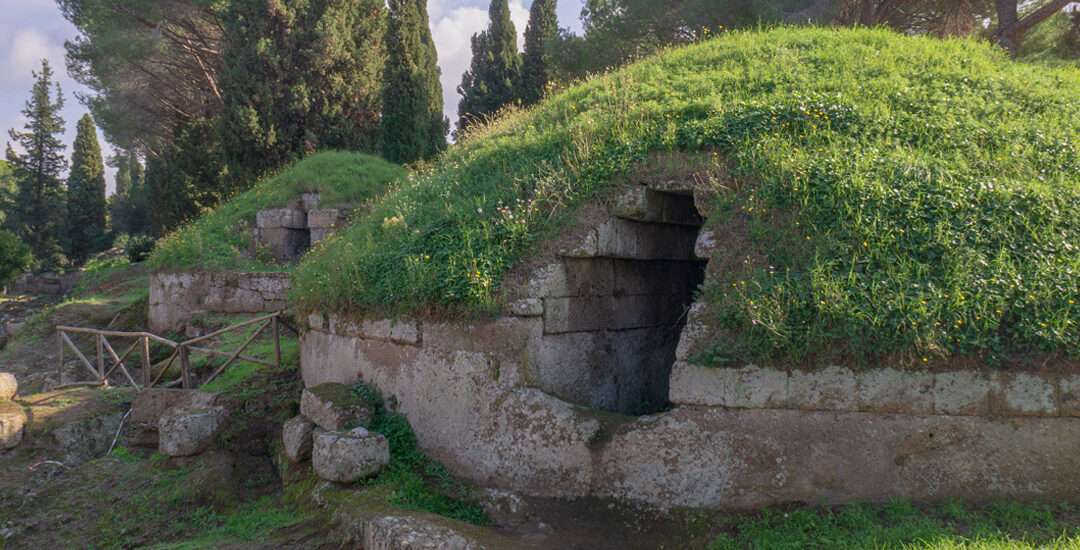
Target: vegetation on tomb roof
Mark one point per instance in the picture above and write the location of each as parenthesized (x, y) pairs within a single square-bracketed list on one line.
[(222, 239), (893, 195)]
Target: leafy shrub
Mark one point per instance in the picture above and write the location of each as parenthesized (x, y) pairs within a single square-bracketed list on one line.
[(15, 256), (139, 247)]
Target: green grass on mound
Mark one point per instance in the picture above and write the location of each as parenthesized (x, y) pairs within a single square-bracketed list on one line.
[(884, 195), (222, 239)]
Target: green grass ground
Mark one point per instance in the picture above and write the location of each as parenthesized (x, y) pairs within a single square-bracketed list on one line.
[(901, 525)]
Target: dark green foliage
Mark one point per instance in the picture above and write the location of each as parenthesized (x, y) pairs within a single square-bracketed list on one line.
[(416, 481), (37, 216), (300, 76), (128, 205), (413, 125), (492, 79), (86, 194), (7, 189), (14, 256), (187, 178), (139, 248), (542, 30)]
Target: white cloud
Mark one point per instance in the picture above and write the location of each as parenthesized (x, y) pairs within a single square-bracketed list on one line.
[(26, 48), (452, 30)]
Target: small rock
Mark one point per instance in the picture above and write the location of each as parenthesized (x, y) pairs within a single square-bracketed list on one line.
[(335, 407), (12, 420), (9, 386), (189, 432), (349, 456), (296, 434)]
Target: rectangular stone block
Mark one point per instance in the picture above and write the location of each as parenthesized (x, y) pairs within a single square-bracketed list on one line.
[(575, 314), (284, 244), (645, 241), (573, 277), (324, 218), (317, 321), (750, 387), (274, 218), (646, 205), (829, 389), (1069, 387), (319, 234), (1024, 394), (707, 244), (663, 277), (402, 332), (962, 393), (896, 391), (528, 307), (695, 332)]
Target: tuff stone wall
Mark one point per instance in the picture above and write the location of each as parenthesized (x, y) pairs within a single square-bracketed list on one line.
[(516, 402), (177, 297), (739, 438), (52, 284), (290, 231)]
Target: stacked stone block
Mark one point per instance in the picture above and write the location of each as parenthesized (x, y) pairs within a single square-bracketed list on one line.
[(12, 417)]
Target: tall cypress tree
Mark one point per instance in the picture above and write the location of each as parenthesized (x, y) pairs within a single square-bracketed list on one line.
[(86, 193), (300, 75), (492, 79), (413, 125), (37, 215), (535, 71)]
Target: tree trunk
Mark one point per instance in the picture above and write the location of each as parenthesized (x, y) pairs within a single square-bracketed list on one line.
[(1008, 30)]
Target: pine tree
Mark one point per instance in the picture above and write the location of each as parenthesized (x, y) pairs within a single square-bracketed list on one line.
[(413, 125), (37, 216), (492, 79), (535, 70), (86, 194)]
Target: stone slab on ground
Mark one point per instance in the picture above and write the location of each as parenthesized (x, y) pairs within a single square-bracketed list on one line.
[(190, 432), (9, 386), (335, 407), (410, 533), (12, 421), (296, 435), (349, 456), (151, 403)]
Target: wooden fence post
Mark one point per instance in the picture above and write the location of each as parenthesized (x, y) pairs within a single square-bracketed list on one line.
[(101, 359), (60, 358), (145, 353), (277, 345), (185, 371)]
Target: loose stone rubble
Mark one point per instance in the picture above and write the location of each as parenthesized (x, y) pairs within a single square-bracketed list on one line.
[(346, 457)]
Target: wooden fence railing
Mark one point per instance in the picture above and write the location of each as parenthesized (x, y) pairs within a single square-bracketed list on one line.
[(181, 351)]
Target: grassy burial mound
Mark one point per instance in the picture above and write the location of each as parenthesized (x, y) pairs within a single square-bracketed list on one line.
[(877, 197), (222, 239)]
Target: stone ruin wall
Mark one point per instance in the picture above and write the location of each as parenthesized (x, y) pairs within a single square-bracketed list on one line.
[(176, 298), (51, 284), (291, 231), (514, 402)]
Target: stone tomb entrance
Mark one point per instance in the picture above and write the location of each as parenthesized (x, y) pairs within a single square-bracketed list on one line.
[(613, 308)]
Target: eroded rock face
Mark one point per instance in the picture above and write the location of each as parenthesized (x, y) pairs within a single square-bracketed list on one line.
[(349, 456), (297, 436), (12, 420), (9, 386), (335, 407), (189, 432)]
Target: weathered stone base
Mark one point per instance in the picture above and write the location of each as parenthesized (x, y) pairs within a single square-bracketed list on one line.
[(465, 393), (177, 297)]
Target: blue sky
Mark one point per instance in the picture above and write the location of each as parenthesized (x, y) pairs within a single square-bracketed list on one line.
[(34, 29)]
